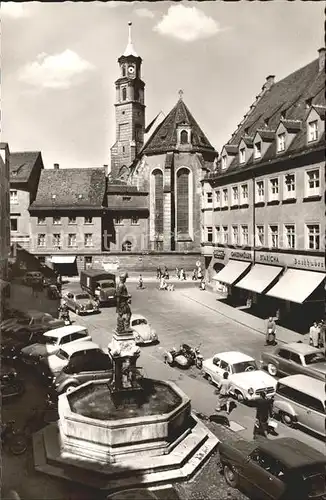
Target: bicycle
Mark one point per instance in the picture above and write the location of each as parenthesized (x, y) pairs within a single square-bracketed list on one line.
[(13, 439)]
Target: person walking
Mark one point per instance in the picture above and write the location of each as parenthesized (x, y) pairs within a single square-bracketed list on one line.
[(322, 335), (158, 273), (314, 334), (223, 399), (270, 332), (264, 412)]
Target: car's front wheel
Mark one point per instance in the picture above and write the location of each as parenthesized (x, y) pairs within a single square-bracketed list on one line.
[(272, 370), (287, 419), (239, 396), (231, 476)]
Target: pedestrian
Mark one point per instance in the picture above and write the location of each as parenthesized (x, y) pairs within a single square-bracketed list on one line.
[(195, 275), (264, 412), (182, 274), (199, 273), (59, 283), (314, 334), (322, 335), (158, 273), (223, 399), (270, 331), (177, 272), (166, 273)]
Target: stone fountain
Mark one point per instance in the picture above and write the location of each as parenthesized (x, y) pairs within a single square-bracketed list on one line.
[(126, 431)]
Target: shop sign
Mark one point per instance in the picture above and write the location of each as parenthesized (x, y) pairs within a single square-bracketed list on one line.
[(240, 255), (219, 254), (290, 260)]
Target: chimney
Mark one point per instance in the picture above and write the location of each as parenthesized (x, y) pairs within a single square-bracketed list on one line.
[(321, 53), (56, 166), (269, 82)]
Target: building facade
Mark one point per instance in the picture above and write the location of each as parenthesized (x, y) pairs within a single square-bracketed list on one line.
[(4, 224), (263, 207)]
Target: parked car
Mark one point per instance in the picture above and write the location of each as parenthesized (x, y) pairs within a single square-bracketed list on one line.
[(247, 380), (300, 400), (278, 469), (33, 277), (31, 321), (294, 358), (81, 302), (100, 284), (143, 332), (11, 347), (52, 341), (77, 363)]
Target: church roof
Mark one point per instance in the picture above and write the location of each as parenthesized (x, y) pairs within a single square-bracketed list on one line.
[(70, 188), (164, 138)]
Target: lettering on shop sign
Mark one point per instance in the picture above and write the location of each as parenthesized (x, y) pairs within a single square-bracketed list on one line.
[(269, 258), (241, 255), (219, 254), (309, 263)]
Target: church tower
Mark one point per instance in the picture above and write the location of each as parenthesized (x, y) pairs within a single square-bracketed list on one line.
[(129, 112)]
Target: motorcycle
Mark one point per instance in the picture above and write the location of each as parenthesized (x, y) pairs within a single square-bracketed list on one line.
[(11, 385), (65, 316), (184, 357)]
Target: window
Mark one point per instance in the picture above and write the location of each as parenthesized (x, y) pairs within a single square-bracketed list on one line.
[(72, 220), (124, 93), (224, 162), (134, 221), (225, 235), (13, 196), (56, 220), (284, 354), (72, 240), (273, 236), (218, 198), (56, 240), (41, 240), (313, 236), (244, 194), (225, 198), (184, 137), (209, 198), (244, 235), (88, 239), (88, 220), (118, 221), (289, 186), (217, 234), (257, 149), (313, 183), (183, 200), (235, 235), (242, 155), (126, 198), (312, 131), (273, 189), (123, 70), (295, 358), (289, 230), (235, 195), (209, 234), (281, 142), (88, 261), (13, 224), (260, 191), (126, 246), (260, 236), (41, 220), (300, 397), (158, 191)]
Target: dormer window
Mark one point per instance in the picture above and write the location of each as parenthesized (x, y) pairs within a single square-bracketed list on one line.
[(312, 131), (224, 162), (257, 149), (242, 154), (184, 137), (281, 142)]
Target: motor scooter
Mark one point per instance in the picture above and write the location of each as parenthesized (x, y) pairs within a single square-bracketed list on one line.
[(65, 316), (184, 357)]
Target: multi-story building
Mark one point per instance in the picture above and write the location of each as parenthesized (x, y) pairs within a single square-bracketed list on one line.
[(263, 216), (25, 171), (4, 224)]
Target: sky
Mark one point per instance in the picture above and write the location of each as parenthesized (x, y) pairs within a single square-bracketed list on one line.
[(59, 65)]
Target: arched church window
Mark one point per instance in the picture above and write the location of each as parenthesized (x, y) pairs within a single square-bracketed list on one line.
[(183, 200), (124, 70), (184, 137), (124, 93), (126, 246), (158, 200)]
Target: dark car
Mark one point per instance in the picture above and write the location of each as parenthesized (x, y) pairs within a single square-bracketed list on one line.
[(31, 321), (295, 358), (278, 469), (76, 364), (33, 278), (11, 347)]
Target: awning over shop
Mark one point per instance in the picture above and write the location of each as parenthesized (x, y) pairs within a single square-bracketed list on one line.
[(259, 277), (232, 271), (63, 259), (296, 285)]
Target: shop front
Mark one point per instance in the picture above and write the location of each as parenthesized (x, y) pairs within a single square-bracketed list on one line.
[(227, 270), (65, 265)]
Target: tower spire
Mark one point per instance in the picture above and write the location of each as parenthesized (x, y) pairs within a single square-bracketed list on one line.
[(130, 51)]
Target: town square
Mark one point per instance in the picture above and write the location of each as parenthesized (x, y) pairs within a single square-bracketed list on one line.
[(162, 251)]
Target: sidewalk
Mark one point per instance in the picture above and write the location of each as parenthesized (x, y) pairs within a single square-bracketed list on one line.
[(210, 300), (133, 277)]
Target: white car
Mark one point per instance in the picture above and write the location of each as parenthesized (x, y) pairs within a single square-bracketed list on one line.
[(247, 380), (143, 332), (52, 341)]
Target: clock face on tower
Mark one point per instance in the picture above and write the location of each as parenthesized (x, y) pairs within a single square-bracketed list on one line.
[(131, 70)]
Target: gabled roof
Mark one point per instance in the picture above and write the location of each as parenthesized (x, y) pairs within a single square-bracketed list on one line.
[(231, 149), (70, 188), (292, 125), (21, 165), (164, 138), (266, 135), (122, 188), (320, 110)]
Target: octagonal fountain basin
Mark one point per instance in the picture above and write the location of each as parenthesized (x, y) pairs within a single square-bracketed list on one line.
[(148, 422)]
